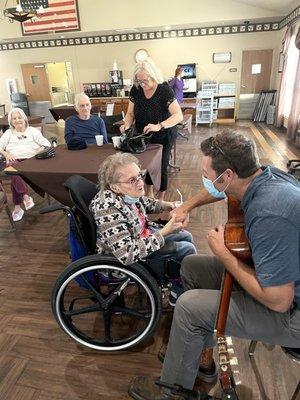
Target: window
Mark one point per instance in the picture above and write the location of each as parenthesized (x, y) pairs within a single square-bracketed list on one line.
[(291, 68)]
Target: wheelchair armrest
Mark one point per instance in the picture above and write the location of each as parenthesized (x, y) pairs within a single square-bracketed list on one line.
[(54, 207)]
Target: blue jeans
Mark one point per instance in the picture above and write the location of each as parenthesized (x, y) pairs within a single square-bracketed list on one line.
[(184, 246)]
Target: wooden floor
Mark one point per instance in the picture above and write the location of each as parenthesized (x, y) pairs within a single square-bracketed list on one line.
[(39, 362)]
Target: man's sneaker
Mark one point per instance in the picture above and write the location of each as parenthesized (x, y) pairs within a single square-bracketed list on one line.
[(207, 371), (175, 292)]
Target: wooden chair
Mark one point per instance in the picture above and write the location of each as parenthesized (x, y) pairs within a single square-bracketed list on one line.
[(292, 353), (4, 205)]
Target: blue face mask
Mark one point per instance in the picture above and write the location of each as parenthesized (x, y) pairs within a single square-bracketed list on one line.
[(210, 187), (130, 200)]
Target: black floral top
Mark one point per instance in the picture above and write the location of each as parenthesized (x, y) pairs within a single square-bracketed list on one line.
[(119, 231), (153, 110)]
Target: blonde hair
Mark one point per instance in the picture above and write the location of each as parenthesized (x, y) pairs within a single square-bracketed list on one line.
[(148, 67), (109, 170), (21, 112)]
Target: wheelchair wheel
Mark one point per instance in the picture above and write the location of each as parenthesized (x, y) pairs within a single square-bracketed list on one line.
[(114, 307)]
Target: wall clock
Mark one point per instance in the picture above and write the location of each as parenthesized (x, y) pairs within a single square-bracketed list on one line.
[(141, 55)]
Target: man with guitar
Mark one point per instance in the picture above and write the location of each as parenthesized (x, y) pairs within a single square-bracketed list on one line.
[(265, 303)]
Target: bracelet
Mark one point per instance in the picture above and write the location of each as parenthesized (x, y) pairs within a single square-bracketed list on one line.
[(162, 128)]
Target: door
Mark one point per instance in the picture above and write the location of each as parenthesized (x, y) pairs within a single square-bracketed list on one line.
[(256, 71), (36, 83), (256, 74)]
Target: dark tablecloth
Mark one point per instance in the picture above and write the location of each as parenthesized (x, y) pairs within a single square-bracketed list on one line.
[(48, 175), (32, 120)]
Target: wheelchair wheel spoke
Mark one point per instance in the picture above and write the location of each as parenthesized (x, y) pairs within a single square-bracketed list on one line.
[(80, 311), (144, 314)]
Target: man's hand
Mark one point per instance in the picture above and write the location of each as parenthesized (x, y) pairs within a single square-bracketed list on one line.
[(216, 241), (181, 214), (171, 227)]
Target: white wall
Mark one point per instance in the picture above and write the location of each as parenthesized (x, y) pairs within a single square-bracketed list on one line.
[(92, 63)]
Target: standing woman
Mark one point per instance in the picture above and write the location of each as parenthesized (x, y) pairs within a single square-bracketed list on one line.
[(177, 84), (153, 108)]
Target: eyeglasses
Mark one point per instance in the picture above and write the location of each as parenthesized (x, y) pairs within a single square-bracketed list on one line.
[(135, 179), (215, 146), (142, 81)]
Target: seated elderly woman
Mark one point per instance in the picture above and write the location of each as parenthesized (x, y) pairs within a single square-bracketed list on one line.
[(17, 143), (84, 125), (120, 211)]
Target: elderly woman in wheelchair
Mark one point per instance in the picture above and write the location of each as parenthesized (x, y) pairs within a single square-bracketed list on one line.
[(113, 300)]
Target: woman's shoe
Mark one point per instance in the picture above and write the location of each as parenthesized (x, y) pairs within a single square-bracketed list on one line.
[(29, 203), (17, 215)]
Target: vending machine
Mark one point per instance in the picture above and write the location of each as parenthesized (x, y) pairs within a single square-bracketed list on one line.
[(190, 80)]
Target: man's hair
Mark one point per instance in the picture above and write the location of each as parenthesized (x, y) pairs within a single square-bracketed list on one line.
[(233, 150), (14, 111), (149, 68), (109, 171), (80, 96)]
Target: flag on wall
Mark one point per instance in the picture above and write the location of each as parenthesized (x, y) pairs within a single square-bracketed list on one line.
[(58, 16)]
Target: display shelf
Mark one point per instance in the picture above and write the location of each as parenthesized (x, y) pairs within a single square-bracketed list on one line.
[(204, 107)]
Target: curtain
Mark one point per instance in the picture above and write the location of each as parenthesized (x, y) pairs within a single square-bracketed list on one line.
[(282, 90), (293, 128)]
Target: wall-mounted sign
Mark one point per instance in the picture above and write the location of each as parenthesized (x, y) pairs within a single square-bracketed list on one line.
[(222, 57)]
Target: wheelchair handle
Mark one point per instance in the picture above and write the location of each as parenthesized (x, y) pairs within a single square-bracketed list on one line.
[(54, 207)]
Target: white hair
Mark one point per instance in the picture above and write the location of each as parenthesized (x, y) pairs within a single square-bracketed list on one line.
[(21, 112), (80, 96), (148, 67)]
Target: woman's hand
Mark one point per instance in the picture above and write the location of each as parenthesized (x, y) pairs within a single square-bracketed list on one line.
[(9, 157), (152, 128), (123, 128), (171, 227)]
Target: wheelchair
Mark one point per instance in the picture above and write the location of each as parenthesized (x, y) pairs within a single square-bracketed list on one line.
[(99, 302)]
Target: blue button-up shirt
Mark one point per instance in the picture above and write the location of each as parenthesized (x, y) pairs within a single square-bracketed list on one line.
[(271, 206)]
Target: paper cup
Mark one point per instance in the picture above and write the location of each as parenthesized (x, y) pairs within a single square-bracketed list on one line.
[(116, 141), (99, 140)]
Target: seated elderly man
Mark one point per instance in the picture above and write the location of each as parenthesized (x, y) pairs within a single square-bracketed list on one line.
[(123, 229), (84, 125)]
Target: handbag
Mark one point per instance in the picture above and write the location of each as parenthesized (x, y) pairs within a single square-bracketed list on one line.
[(131, 143)]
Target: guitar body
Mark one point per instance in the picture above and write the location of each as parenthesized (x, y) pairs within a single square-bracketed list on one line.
[(236, 241)]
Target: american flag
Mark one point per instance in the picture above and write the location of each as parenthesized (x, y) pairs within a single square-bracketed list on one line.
[(58, 16)]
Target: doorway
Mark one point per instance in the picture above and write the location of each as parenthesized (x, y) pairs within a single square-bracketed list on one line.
[(61, 83), (48, 85), (255, 77)]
